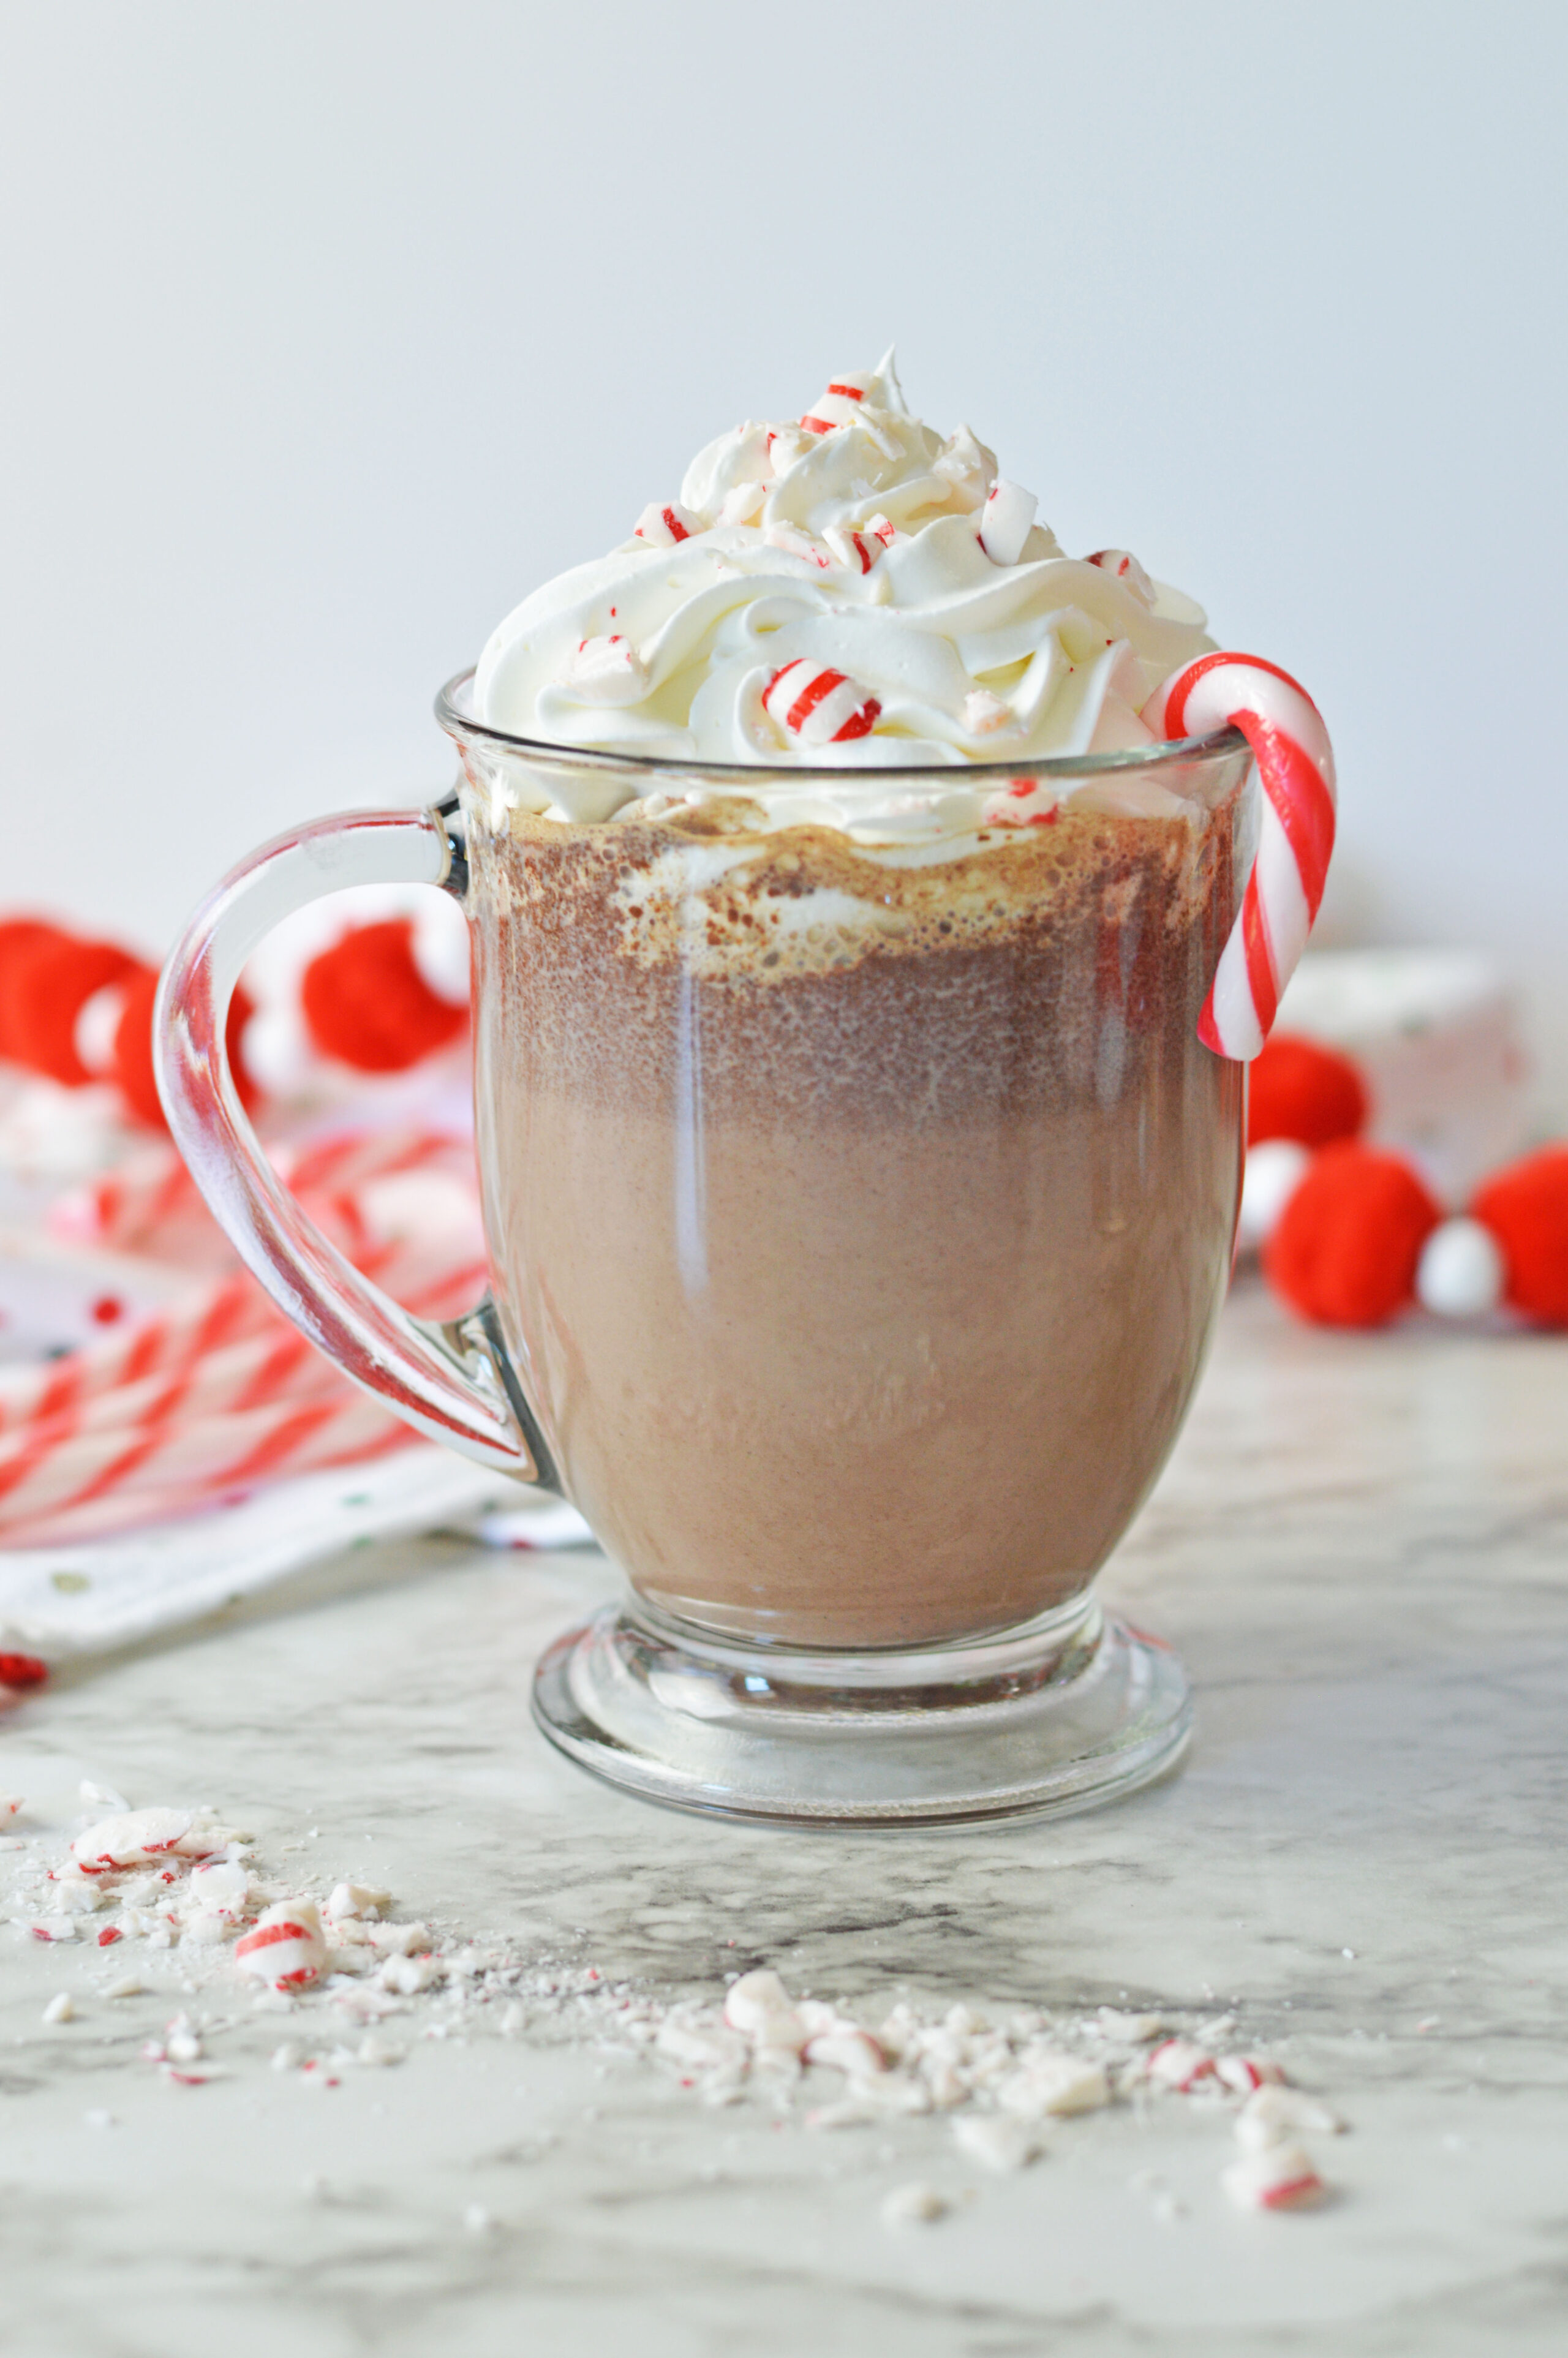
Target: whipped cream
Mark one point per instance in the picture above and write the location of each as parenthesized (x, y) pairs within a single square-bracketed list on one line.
[(846, 594)]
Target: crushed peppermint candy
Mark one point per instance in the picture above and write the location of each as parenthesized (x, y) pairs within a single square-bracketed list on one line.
[(819, 705), (915, 2206), (1022, 801), (606, 671), (179, 1882), (1275, 2114), (1006, 520), (995, 2141), (663, 526), (1280, 2178), (136, 1838), (285, 1947), (1179, 2064), (1128, 571), (859, 546)]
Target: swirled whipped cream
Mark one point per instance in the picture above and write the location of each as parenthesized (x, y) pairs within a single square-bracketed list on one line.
[(844, 593)]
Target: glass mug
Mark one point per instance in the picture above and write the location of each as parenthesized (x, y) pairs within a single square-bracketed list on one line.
[(856, 1225)]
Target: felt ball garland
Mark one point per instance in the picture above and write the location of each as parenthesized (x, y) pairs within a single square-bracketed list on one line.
[(1301, 1090), (1351, 1234), (1348, 1241), (79, 1010), (367, 1003), (1525, 1207)]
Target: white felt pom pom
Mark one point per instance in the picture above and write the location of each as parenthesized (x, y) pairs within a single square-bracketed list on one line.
[(1275, 1169), (1460, 1273)]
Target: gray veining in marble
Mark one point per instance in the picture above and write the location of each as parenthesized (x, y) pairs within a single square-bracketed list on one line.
[(1360, 1551)]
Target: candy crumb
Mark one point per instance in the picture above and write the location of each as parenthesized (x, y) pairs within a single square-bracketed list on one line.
[(1136, 2029), (1274, 2115), (372, 2048), (61, 2010), (918, 2205), (357, 1899), (1179, 2064), (1281, 2177), (995, 2142)]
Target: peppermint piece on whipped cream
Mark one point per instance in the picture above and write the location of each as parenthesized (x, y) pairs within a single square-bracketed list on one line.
[(1006, 521), (662, 527), (605, 671), (852, 541)]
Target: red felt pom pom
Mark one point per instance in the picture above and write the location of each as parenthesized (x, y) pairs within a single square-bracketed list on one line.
[(132, 1064), (1299, 1090), (1345, 1249), (44, 982), (18, 937), (367, 1003), (1526, 1209)]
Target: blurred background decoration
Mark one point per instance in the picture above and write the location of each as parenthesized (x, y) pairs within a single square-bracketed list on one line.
[(331, 332)]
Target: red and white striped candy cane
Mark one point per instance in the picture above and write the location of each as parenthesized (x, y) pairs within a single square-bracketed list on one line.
[(221, 1374), (218, 1392), (150, 1203), (1295, 764), (114, 1481), (215, 1419), (819, 705), (171, 1340)]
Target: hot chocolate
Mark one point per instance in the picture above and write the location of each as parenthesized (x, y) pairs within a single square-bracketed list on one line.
[(872, 918), (859, 1226)]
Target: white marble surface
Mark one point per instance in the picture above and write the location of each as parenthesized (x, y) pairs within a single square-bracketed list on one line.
[(1360, 1550)]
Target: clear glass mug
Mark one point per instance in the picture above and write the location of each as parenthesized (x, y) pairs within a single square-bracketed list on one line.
[(857, 1229)]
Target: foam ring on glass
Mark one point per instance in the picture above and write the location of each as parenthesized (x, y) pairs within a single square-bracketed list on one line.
[(858, 1225)]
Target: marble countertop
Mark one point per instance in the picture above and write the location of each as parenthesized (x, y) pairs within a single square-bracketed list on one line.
[(1361, 1551)]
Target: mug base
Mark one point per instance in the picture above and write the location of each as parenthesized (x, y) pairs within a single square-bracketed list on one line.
[(1069, 1711)]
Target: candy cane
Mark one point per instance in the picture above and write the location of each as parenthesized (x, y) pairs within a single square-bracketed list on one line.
[(149, 1202), (226, 1332), (273, 1363), (218, 1392), (231, 1316), (819, 705), (107, 1482), (120, 1210), (216, 1316), (1295, 764), (267, 1406)]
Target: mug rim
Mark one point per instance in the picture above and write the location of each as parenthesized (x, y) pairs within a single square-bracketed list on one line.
[(464, 728)]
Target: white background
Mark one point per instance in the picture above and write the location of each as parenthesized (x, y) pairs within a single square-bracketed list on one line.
[(331, 329)]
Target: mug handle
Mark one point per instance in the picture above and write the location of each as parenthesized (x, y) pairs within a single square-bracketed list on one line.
[(454, 1382)]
